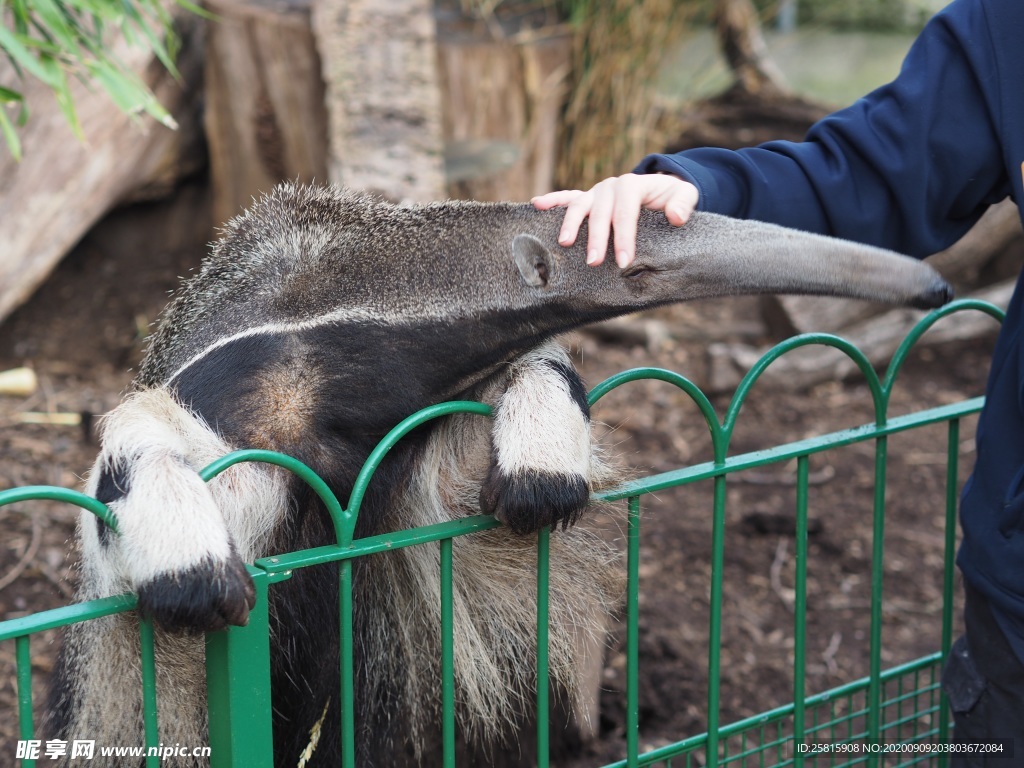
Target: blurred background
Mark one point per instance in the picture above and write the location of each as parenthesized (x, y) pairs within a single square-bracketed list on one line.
[(104, 105)]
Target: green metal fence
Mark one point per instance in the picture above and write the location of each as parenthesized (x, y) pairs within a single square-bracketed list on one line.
[(899, 705)]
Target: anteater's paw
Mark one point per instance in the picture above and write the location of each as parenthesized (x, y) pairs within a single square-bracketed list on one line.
[(203, 598), (531, 499)]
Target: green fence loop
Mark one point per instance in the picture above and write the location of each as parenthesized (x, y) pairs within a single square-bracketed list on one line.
[(53, 493), (661, 374), (925, 323), (293, 465), (410, 423), (805, 340)]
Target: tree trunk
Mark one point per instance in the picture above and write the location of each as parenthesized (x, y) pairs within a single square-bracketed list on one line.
[(383, 100), (265, 116), (742, 44), (503, 102)]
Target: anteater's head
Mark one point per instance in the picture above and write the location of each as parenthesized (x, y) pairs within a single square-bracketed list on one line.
[(717, 256)]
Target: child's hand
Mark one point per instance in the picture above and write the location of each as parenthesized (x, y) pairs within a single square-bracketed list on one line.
[(614, 204)]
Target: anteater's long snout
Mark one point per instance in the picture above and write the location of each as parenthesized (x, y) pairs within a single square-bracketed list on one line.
[(940, 293), (718, 256)]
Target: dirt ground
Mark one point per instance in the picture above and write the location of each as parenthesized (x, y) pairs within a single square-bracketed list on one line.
[(83, 332)]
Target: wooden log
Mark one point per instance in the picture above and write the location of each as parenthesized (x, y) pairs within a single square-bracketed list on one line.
[(503, 99), (63, 186), (265, 116), (383, 102), (877, 337)]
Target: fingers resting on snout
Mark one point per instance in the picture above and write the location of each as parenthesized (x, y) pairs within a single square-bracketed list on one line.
[(613, 205)]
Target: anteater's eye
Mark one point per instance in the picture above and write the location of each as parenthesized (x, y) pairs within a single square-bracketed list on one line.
[(637, 270)]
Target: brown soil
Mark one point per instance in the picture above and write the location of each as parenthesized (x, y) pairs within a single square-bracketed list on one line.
[(82, 333)]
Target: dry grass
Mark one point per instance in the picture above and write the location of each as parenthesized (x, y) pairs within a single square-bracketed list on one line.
[(611, 119)]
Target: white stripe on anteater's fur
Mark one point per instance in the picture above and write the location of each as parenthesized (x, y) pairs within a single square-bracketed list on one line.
[(320, 320)]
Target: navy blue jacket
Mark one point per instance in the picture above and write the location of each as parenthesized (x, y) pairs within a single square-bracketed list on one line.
[(911, 167)]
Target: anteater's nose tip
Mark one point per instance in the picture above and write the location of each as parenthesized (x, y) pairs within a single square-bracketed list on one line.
[(939, 294)]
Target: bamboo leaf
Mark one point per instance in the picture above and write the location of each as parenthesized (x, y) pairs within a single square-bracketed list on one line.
[(197, 10), (63, 93), (10, 135), (19, 53), (156, 110), (157, 46), (20, 12), (127, 95), (7, 96), (57, 25), (54, 40), (145, 25)]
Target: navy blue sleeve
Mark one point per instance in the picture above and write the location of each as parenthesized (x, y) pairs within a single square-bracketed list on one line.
[(910, 166)]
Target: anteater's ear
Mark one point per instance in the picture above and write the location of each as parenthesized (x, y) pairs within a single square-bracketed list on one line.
[(534, 260)]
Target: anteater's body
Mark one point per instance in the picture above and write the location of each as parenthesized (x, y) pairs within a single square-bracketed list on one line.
[(321, 320)]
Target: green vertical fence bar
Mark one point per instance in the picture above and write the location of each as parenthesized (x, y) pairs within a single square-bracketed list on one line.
[(877, 563), (23, 662), (147, 645), (832, 732), (543, 623), (800, 610), (348, 707), (238, 688), (447, 657), (898, 728), (715, 623), (952, 497), (633, 634)]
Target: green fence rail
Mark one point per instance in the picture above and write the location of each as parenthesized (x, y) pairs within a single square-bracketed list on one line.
[(902, 704)]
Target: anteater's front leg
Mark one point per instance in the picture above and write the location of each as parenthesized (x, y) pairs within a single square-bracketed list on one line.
[(181, 543), (541, 466)]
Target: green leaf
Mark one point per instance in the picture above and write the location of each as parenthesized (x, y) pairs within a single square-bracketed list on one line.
[(7, 96), (21, 15), (129, 93), (58, 26), (10, 135), (157, 45), (63, 93), (156, 110), (21, 55), (55, 40), (197, 10), (126, 94)]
